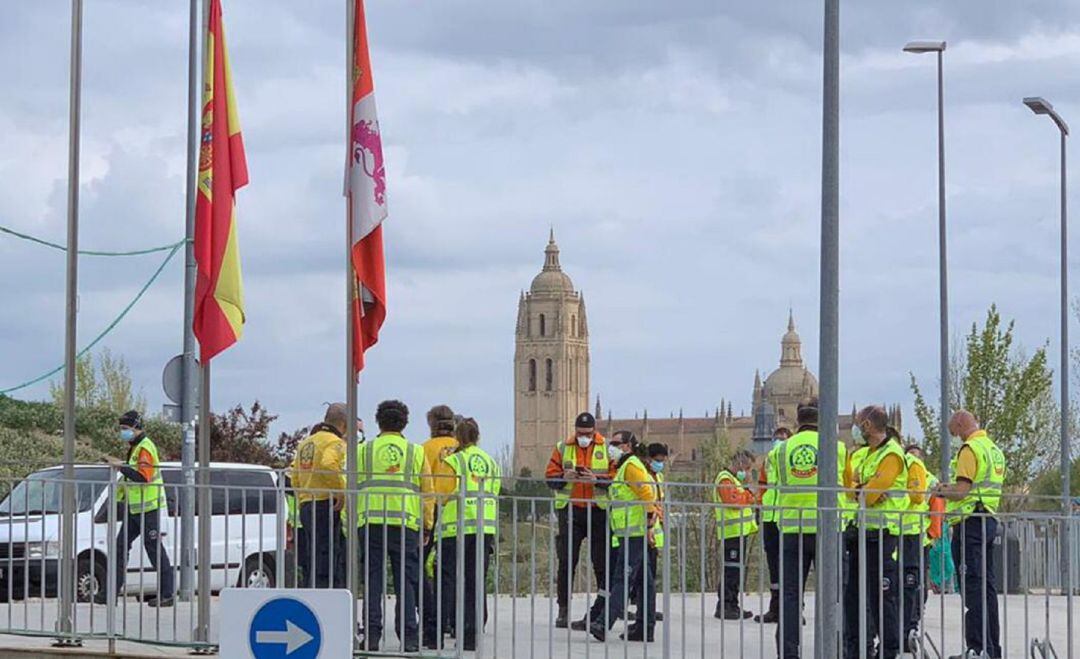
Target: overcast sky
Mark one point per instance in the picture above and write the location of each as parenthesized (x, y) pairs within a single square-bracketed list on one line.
[(674, 147)]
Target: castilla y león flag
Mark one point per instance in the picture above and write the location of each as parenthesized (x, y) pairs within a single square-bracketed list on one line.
[(365, 186), (219, 292)]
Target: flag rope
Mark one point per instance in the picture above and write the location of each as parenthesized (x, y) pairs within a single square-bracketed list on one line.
[(88, 252), (109, 328)]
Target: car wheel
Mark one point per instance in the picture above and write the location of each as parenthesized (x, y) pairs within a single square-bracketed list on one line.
[(90, 578), (258, 573)]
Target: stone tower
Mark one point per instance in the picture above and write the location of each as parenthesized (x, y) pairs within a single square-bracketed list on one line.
[(551, 364)]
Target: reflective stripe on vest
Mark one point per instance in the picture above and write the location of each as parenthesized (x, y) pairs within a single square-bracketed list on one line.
[(626, 515), (989, 479), (849, 502), (598, 462), (731, 521), (481, 475), (389, 490), (885, 513), (143, 497)]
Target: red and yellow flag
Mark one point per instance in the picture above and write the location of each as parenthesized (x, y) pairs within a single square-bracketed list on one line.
[(219, 291)]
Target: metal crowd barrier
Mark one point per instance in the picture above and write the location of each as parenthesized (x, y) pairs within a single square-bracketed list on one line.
[(255, 544)]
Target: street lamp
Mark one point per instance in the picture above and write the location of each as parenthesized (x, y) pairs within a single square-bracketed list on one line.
[(920, 47), (1040, 105)]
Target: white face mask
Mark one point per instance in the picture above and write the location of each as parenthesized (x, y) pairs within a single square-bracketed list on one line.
[(614, 453), (856, 434), (584, 440)]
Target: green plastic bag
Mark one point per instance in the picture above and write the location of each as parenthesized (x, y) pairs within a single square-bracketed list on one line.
[(942, 569)]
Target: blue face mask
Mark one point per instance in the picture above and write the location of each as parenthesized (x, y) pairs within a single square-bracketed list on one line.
[(657, 466), (741, 475), (127, 434)]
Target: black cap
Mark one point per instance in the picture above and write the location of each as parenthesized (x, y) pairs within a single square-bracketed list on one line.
[(131, 419), (585, 420)]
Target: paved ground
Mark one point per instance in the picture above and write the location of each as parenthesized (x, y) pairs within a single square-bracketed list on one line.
[(519, 628)]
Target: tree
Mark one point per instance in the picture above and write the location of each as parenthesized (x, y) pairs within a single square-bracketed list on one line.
[(107, 385), (1009, 393), (239, 435)]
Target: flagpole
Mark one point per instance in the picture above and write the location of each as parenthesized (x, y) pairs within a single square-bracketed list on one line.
[(190, 368), (64, 623), (350, 321), (202, 627)]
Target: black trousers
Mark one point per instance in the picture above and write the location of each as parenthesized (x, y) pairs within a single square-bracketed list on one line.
[(883, 592), (432, 594), (850, 596), (972, 550), (914, 561), (629, 566), (731, 579), (635, 587), (377, 543), (770, 538), (318, 546), (798, 553), (146, 525), (575, 524), (448, 576)]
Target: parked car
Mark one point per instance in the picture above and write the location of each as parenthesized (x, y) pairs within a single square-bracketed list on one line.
[(244, 531)]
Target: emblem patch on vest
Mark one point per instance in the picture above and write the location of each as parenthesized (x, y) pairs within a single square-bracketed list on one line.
[(803, 461), (391, 456)]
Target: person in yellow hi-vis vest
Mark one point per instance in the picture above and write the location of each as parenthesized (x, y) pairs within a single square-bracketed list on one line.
[(972, 503), (797, 466), (849, 527), (881, 489), (391, 514), (441, 445), (142, 490), (631, 512), (658, 455), (915, 547), (735, 524), (770, 532), (478, 483)]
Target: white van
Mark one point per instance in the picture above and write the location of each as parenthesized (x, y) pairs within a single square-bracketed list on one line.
[(244, 531)]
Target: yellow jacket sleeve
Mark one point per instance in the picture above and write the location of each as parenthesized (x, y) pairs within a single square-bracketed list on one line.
[(849, 480), (888, 470), (642, 485), (966, 464), (916, 483)]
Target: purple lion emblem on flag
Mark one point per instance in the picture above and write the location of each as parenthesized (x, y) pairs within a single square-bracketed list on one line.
[(367, 153)]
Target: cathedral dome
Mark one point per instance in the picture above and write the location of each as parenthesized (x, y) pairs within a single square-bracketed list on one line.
[(792, 380), (552, 279)]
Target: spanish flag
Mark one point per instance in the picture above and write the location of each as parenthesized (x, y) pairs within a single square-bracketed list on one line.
[(219, 292), (365, 186)]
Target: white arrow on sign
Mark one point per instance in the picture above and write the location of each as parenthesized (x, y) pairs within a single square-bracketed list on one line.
[(293, 637)]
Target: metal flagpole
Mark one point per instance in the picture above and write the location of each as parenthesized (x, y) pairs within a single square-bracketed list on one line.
[(1066, 453), (350, 324), (943, 279), (190, 372), (827, 560), (64, 623), (202, 625)]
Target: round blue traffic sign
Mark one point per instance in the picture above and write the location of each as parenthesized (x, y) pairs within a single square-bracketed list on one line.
[(285, 628)]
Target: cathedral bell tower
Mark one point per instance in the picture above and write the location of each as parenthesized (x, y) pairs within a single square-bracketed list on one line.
[(551, 364)]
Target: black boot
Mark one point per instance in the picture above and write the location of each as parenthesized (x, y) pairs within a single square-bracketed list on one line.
[(773, 614), (564, 613), (580, 625)]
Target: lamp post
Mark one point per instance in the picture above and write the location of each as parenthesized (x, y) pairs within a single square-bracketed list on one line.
[(1039, 105), (922, 47)]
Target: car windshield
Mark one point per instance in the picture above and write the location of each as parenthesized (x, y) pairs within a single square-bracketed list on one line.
[(42, 491)]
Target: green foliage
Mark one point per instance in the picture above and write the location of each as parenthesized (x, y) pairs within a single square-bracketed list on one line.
[(1010, 393), (107, 385)]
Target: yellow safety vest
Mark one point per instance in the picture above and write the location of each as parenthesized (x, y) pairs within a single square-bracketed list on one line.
[(598, 462), (143, 497), (850, 504), (887, 511), (389, 470), (917, 524), (989, 479), (797, 466), (731, 522), (769, 498), (482, 477), (658, 526), (627, 514)]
